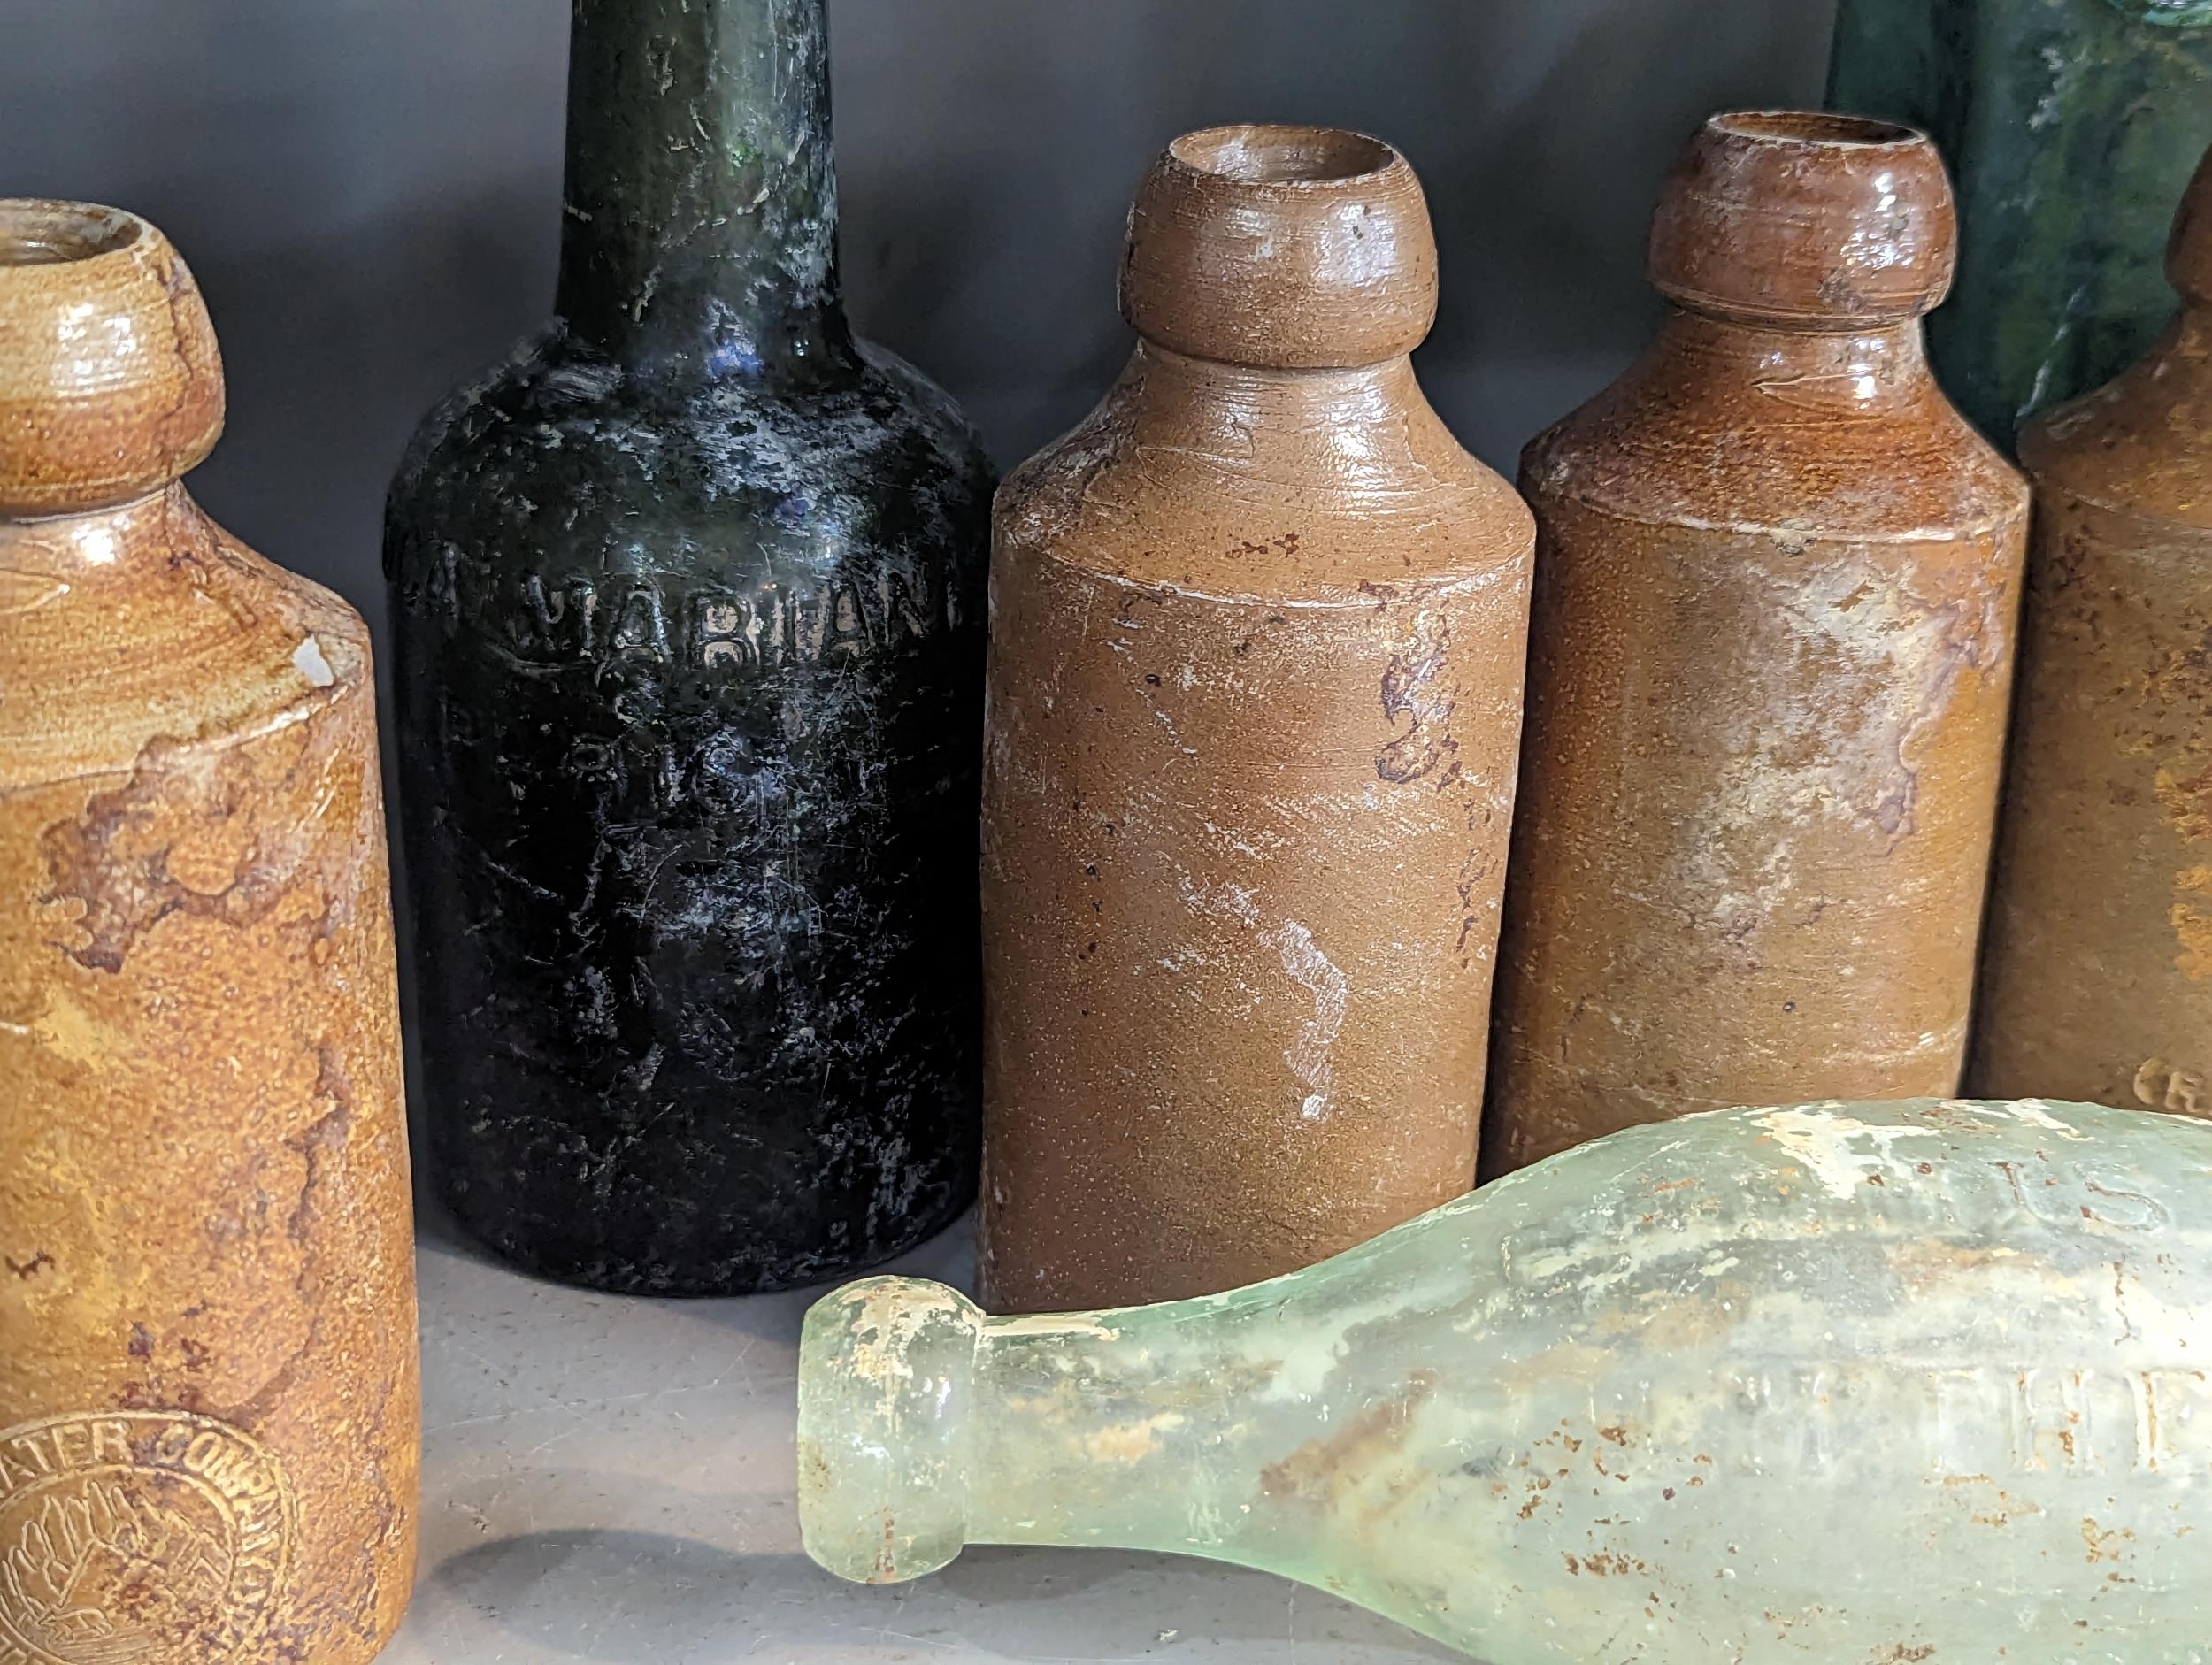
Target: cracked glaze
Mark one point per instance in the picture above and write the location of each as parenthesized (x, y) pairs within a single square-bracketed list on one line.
[(1258, 630), (1770, 658), (1870, 1383), (208, 1382), (688, 608)]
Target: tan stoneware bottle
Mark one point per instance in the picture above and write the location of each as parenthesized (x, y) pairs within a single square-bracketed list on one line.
[(1258, 626), (2097, 979), (209, 1408), (1776, 581)]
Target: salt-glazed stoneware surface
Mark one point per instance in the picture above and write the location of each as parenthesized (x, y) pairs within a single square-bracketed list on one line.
[(2097, 975), (688, 607), (209, 1401), (1770, 662), (2071, 125), (1258, 625), (1849, 1384)]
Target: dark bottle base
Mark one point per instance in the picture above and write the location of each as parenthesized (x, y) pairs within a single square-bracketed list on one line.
[(583, 1266)]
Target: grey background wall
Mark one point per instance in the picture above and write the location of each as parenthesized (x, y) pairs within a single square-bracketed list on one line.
[(369, 189)]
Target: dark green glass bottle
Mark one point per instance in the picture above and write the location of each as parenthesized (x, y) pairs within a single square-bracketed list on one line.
[(687, 607), (2072, 127)]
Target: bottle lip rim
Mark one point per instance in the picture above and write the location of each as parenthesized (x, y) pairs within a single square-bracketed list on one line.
[(1816, 128), (1285, 156), (110, 378), (1280, 246), (1798, 217), (39, 233)]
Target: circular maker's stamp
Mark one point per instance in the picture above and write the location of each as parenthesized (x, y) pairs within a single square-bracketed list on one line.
[(139, 1537)]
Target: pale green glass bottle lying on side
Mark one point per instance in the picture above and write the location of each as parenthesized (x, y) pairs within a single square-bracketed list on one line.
[(1835, 1383)]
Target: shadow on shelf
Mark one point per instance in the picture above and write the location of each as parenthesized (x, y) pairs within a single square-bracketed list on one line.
[(621, 1597)]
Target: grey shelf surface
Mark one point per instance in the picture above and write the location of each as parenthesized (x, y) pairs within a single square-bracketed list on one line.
[(610, 1480)]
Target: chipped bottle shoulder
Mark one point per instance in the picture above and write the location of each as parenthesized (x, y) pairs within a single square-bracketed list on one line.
[(308, 689)]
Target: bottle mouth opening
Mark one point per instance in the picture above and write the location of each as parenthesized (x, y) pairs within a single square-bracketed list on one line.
[(1282, 155), (1813, 127), (34, 232)]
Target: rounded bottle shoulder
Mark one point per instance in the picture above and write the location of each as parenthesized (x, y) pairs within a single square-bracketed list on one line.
[(2139, 445), (1267, 506), (152, 626), (559, 440), (1775, 458)]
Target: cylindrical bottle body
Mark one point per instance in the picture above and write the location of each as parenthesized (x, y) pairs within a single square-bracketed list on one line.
[(1760, 774), (689, 746), (209, 1400), (2097, 977), (1242, 852), (1254, 688), (1238, 923)]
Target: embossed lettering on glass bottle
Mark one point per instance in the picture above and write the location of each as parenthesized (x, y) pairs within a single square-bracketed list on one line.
[(688, 610), (1881, 1383)]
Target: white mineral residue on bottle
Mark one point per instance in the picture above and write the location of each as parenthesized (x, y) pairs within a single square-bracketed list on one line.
[(1875, 1382)]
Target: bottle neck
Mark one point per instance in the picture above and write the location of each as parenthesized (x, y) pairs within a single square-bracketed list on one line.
[(1866, 371), (699, 236), (1080, 1439), (84, 548), (1357, 431)]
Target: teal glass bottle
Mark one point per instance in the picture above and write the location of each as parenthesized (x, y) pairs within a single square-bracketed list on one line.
[(2072, 128)]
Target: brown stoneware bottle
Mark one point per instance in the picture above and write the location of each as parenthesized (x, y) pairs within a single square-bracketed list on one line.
[(1770, 661), (209, 1409), (1258, 626), (2097, 979)]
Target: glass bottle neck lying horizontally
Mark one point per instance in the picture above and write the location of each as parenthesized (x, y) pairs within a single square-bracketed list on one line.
[(1870, 368), (700, 203), (1082, 1437)]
